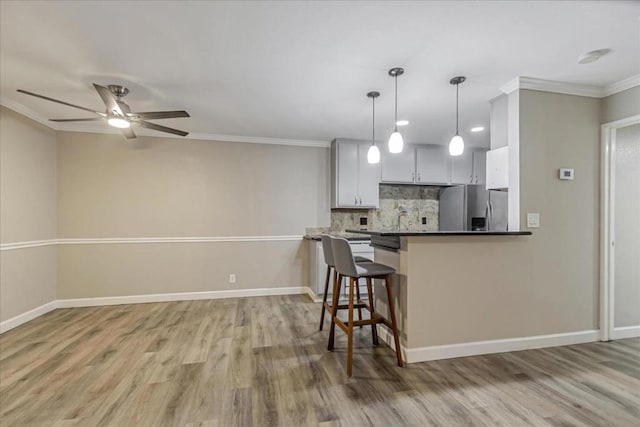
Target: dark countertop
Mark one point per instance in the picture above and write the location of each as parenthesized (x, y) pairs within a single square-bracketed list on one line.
[(439, 233), (348, 236)]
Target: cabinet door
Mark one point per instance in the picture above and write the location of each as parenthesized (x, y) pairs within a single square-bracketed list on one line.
[(432, 165), (368, 179), (347, 174), (479, 167), (462, 168), (399, 167), (498, 168)]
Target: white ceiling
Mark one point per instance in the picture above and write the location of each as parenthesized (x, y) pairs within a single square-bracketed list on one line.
[(300, 70)]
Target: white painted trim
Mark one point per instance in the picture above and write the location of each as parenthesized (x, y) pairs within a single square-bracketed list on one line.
[(450, 351), (105, 129), (137, 240), (27, 112), (180, 296), (28, 244), (27, 316), (625, 332), (194, 239), (542, 85), (607, 223), (622, 85)]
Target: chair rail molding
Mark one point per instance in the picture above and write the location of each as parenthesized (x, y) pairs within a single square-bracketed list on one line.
[(140, 240)]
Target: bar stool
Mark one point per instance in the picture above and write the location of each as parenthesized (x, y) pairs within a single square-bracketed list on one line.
[(328, 259), (346, 267)]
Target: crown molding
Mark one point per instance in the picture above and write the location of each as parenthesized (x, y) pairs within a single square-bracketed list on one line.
[(622, 85), (27, 112), (88, 128), (542, 85)]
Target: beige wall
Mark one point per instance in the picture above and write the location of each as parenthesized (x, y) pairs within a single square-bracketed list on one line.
[(466, 289), (627, 227), (620, 105), (27, 212), (161, 187)]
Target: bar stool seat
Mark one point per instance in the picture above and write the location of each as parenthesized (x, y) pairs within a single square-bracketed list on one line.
[(347, 267), (328, 259)]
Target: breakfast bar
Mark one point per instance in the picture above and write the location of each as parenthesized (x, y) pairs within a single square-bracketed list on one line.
[(453, 289)]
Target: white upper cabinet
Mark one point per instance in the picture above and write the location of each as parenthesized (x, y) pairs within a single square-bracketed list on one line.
[(498, 168), (462, 168), (354, 180), (432, 164), (469, 168), (479, 167), (399, 168), (368, 179), (347, 168)]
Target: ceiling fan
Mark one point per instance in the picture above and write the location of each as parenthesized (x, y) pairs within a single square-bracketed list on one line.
[(118, 114)]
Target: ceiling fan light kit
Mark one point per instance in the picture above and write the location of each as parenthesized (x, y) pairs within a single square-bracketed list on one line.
[(373, 155), (456, 146), (396, 142), (118, 113)]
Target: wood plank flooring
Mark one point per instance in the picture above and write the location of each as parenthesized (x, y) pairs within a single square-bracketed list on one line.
[(261, 362)]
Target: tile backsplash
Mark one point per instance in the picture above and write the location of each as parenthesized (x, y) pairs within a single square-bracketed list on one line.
[(417, 201)]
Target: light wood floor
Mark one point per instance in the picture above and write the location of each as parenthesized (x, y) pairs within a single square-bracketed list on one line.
[(262, 362)]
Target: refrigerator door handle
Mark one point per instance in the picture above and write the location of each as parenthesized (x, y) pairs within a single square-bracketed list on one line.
[(486, 216)]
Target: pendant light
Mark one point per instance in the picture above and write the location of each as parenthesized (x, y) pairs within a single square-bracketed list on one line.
[(373, 155), (456, 146), (396, 143)]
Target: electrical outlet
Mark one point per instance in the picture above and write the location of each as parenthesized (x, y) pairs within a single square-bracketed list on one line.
[(533, 220), (232, 278)]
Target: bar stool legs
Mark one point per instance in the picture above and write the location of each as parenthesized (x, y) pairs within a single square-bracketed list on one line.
[(324, 298), (337, 284), (374, 329), (350, 327), (392, 314)]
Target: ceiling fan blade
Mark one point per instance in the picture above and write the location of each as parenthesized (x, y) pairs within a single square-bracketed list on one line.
[(61, 102), (151, 115), (109, 100), (128, 133), (92, 119), (154, 126)]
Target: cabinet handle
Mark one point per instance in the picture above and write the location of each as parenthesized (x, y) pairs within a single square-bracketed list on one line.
[(413, 177), (360, 200), (355, 200), (419, 176), (471, 179)]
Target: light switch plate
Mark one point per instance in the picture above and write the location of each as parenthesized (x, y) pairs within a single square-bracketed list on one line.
[(533, 220)]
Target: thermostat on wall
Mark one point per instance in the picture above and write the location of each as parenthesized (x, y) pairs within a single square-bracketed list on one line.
[(566, 174)]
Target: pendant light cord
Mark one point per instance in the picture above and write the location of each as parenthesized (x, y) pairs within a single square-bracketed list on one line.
[(373, 131), (457, 86), (395, 123)]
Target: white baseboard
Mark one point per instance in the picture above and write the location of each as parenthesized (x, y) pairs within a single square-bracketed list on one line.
[(424, 354), (26, 316), (625, 332), (180, 296)]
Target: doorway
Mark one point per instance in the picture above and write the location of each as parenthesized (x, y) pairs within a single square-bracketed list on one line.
[(620, 230)]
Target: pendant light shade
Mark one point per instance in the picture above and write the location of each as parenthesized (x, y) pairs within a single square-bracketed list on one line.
[(373, 155), (456, 146), (396, 142)]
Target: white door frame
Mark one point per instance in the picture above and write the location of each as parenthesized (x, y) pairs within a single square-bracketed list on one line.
[(607, 222)]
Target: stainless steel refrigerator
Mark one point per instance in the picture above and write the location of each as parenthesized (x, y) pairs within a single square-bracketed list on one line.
[(472, 208)]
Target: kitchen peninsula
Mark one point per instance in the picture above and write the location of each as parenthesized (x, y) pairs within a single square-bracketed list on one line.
[(454, 290)]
